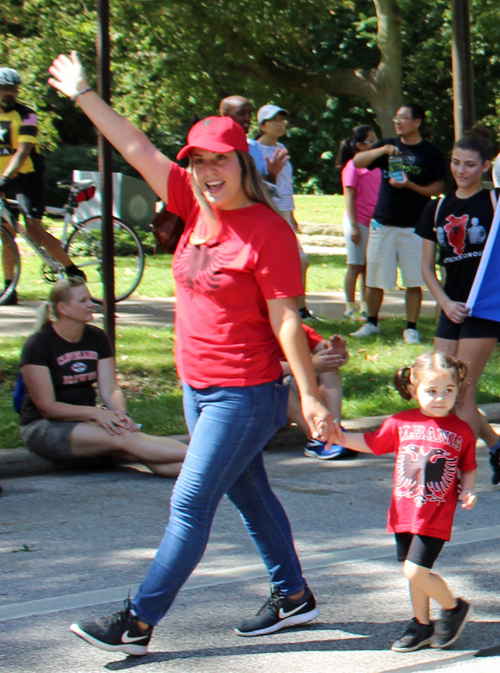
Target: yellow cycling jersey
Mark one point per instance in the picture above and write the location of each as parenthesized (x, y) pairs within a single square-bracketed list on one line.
[(19, 125)]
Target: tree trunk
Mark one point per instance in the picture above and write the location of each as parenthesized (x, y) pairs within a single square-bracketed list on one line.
[(380, 87), (387, 94)]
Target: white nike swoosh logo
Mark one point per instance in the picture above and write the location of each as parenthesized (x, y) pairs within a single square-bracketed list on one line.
[(127, 639), (282, 614)]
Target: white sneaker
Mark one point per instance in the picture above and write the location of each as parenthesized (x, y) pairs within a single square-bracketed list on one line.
[(350, 314), (411, 336), (368, 329)]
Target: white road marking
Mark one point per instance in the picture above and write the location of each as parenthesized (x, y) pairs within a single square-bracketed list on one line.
[(225, 576)]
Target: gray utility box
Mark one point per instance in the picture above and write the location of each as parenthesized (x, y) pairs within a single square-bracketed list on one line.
[(133, 199)]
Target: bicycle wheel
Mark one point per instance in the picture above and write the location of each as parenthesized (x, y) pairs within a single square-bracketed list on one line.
[(11, 262), (85, 249)]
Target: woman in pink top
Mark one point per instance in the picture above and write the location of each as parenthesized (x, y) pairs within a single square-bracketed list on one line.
[(361, 188)]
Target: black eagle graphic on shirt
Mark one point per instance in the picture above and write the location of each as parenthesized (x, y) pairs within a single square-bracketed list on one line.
[(424, 474)]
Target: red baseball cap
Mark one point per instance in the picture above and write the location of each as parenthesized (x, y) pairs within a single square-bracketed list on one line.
[(215, 134)]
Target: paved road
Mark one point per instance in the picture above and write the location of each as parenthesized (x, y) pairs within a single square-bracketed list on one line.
[(20, 320), (72, 544)]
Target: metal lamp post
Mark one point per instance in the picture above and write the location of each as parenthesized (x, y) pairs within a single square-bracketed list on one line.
[(105, 172)]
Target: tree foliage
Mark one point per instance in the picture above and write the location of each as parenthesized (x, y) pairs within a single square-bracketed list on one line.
[(332, 63)]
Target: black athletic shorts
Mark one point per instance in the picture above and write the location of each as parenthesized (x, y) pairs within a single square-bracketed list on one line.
[(419, 549), (470, 328), (29, 190)]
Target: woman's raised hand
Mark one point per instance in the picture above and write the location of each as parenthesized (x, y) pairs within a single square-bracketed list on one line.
[(68, 75)]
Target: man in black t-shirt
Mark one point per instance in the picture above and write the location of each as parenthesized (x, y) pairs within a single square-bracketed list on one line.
[(402, 198)]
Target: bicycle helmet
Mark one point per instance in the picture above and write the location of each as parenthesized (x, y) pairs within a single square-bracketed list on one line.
[(9, 77)]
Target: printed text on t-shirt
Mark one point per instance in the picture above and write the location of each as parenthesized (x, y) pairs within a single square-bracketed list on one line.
[(77, 355), (430, 434)]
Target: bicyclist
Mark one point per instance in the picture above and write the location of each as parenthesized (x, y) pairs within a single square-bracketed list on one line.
[(22, 173)]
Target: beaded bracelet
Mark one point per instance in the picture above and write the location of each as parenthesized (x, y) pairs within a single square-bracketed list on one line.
[(79, 93)]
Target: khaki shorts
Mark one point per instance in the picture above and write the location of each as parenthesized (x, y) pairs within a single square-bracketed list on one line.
[(51, 440), (388, 248)]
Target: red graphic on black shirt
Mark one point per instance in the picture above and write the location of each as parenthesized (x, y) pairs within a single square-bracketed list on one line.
[(455, 230), (424, 475)]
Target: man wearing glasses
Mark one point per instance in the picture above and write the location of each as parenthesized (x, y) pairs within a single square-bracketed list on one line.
[(405, 190)]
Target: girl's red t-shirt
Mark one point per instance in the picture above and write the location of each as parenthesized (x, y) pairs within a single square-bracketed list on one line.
[(223, 334), (429, 454)]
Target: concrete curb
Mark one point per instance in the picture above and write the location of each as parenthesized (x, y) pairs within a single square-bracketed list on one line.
[(21, 462)]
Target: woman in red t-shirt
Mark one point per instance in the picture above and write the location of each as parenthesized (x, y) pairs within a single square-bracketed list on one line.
[(432, 446), (237, 276)]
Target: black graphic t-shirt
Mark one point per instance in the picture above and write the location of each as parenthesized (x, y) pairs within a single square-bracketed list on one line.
[(72, 365), (460, 232), (423, 164)]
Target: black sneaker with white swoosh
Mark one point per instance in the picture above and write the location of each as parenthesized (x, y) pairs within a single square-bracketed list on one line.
[(278, 612), (119, 632)]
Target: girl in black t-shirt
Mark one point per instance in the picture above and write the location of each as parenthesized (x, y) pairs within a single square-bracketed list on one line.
[(459, 225), (61, 363)]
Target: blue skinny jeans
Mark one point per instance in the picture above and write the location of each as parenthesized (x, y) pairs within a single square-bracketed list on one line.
[(229, 428)]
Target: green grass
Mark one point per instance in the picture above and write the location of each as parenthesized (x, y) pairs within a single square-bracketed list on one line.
[(325, 273), (320, 209), (154, 397)]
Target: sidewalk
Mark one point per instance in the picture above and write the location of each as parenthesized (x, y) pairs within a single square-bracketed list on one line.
[(20, 320)]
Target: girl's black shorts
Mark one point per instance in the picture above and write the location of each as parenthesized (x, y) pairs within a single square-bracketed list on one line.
[(422, 550), (470, 328)]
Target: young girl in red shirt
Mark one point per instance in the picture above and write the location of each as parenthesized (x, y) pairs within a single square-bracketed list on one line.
[(433, 449)]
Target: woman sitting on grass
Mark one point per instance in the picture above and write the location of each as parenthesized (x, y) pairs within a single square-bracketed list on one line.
[(60, 363)]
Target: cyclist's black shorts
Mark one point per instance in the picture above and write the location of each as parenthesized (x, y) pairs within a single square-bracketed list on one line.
[(29, 190)]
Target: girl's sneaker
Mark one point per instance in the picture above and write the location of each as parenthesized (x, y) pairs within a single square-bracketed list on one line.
[(451, 624), (416, 635), (317, 449)]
